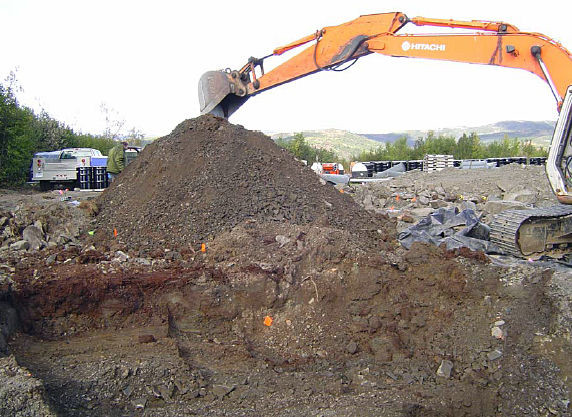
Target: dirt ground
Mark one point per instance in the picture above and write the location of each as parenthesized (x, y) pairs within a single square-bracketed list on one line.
[(305, 307)]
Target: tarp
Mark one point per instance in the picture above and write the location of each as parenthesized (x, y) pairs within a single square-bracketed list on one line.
[(450, 227), (394, 171), (336, 178)]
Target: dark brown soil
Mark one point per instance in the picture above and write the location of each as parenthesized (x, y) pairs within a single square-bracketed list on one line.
[(208, 176)]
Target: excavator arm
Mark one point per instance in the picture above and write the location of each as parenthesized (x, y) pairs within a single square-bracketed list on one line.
[(483, 42), (334, 47)]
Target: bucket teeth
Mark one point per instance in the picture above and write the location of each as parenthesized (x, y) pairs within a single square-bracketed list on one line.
[(217, 94)]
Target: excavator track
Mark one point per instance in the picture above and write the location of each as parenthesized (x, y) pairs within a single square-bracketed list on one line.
[(534, 233)]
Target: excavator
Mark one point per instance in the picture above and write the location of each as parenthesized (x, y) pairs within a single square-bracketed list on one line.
[(531, 233)]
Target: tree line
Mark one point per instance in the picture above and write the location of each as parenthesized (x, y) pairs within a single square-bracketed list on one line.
[(24, 132), (466, 147)]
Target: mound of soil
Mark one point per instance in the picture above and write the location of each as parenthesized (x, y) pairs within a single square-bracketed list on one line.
[(208, 176)]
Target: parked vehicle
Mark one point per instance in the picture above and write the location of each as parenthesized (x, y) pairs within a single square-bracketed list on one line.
[(59, 169)]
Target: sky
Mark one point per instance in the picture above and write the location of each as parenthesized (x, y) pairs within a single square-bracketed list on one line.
[(143, 60)]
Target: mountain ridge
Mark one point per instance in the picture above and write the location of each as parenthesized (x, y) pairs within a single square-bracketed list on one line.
[(346, 143)]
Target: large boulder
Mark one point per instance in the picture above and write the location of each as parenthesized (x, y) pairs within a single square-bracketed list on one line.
[(34, 236)]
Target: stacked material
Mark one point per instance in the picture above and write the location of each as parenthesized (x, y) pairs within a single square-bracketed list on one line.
[(437, 162)]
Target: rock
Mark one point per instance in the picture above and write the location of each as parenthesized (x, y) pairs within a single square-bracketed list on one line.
[(51, 259), (445, 369), (422, 212), (124, 372), (222, 390), (20, 245), (139, 403), (418, 321), (352, 347), (63, 239), (40, 226), (468, 205), (439, 190), (374, 323), (381, 347), (524, 196), (7, 233), (172, 255), (368, 202), (407, 218), (438, 203), (120, 256), (146, 338), (182, 386), (494, 355), (165, 392), (496, 207), (422, 200), (142, 261), (282, 240), (497, 333)]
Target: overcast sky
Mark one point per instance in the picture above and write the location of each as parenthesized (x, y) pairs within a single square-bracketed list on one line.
[(143, 59)]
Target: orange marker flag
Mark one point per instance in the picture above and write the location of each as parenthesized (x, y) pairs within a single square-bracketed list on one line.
[(268, 321), (114, 232), (203, 247)]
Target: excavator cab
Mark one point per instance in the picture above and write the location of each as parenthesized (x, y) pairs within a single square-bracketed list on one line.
[(559, 163)]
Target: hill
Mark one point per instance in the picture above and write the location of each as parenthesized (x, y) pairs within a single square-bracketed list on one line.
[(539, 132), (346, 144)]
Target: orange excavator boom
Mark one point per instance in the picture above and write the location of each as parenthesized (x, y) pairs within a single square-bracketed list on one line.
[(333, 47), (483, 42)]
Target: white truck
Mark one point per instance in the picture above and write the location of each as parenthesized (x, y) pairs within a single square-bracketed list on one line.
[(60, 168)]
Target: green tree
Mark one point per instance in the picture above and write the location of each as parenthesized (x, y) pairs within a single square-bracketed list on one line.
[(468, 147), (17, 136), (302, 150)]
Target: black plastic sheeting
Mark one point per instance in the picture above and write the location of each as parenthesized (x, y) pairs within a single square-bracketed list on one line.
[(450, 227), (394, 171)]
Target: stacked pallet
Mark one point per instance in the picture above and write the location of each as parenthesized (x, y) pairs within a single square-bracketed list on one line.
[(437, 162)]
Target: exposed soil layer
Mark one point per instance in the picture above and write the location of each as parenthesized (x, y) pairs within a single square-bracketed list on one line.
[(147, 324)]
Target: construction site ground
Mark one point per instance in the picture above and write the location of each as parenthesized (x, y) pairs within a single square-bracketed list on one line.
[(218, 276)]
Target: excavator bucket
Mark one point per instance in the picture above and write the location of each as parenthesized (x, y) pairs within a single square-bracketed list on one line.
[(217, 94)]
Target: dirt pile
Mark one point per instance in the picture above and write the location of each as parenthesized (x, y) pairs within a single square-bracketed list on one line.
[(208, 176)]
